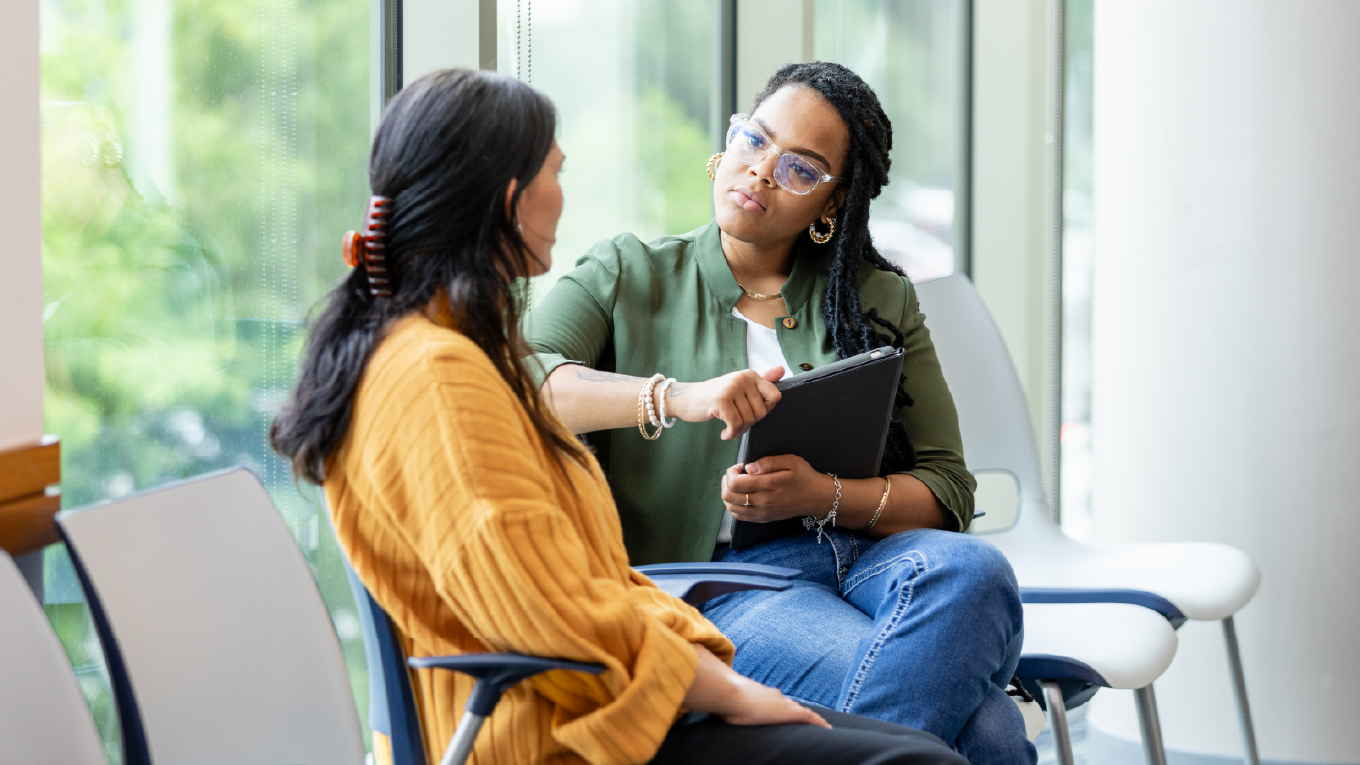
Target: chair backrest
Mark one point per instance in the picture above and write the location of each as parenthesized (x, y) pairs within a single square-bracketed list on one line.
[(993, 411), (220, 648), (392, 711), (43, 716)]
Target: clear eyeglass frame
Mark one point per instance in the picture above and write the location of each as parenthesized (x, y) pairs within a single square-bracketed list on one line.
[(808, 170)]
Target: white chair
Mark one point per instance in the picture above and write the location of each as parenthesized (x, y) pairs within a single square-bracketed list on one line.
[(43, 716), (1073, 650), (999, 438), (219, 647)]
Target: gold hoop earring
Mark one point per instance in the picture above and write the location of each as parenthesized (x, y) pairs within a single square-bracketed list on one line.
[(712, 166), (821, 238)]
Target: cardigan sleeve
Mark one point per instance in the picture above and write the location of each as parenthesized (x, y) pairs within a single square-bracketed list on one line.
[(933, 421), (516, 570)]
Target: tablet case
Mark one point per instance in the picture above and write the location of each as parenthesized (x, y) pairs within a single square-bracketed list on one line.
[(835, 417)]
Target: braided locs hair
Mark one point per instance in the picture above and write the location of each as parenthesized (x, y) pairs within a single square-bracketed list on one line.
[(853, 330)]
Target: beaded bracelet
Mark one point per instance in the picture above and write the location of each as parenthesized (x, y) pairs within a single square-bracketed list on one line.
[(809, 521), (882, 503), (646, 411), (661, 402), (650, 394)]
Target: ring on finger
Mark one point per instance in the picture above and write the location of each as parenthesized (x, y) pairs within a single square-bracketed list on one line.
[(748, 501)]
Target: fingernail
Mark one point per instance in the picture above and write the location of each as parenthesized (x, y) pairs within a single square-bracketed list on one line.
[(752, 468)]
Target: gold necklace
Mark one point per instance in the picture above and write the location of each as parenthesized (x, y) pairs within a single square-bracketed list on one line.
[(758, 296)]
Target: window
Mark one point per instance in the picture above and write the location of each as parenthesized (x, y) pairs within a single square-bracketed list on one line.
[(914, 55), (634, 112), (200, 161), (638, 112), (202, 157)]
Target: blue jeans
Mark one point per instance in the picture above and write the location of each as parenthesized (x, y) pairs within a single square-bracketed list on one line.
[(922, 628)]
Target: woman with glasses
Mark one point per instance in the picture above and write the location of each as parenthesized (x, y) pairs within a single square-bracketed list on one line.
[(467, 510), (901, 617)]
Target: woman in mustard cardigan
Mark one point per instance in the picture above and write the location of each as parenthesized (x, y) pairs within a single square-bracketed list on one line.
[(469, 512)]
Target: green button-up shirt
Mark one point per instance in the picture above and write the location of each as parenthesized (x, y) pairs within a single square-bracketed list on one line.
[(666, 306)]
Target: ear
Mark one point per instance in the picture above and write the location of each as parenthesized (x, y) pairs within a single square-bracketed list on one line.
[(509, 197), (833, 205)]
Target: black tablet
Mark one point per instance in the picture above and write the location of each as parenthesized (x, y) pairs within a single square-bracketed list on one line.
[(835, 417)]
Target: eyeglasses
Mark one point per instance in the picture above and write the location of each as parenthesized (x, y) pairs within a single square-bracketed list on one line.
[(747, 142)]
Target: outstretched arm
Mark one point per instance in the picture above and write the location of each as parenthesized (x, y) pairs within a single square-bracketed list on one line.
[(586, 399), (571, 331)]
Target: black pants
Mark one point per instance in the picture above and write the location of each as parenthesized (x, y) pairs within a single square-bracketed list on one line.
[(853, 740)]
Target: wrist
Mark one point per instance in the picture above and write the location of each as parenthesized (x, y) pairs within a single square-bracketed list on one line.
[(716, 689), (738, 693), (826, 518), (677, 403)]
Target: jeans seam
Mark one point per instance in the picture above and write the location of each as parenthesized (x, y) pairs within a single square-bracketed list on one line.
[(836, 554), (904, 598), (879, 568)]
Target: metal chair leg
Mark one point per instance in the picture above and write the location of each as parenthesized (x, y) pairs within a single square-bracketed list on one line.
[(1151, 725), (1057, 717), (460, 746), (1240, 691)]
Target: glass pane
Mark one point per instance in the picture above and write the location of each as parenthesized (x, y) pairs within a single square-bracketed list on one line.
[(200, 160), (633, 107), (1078, 261), (912, 53)]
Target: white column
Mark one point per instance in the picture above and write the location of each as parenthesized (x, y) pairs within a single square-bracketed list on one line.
[(444, 34), (770, 34), (1008, 180), (1226, 337), (21, 349)]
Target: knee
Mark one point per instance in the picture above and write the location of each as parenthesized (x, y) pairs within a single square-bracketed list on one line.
[(971, 565)]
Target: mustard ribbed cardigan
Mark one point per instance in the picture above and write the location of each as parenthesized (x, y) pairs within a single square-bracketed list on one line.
[(450, 510)]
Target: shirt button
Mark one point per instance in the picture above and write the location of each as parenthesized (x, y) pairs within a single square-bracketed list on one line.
[(789, 322), (806, 367)]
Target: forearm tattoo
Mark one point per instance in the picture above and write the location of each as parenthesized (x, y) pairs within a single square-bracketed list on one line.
[(595, 375), (587, 374)]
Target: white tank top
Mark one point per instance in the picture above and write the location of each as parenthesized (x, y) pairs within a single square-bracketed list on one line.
[(762, 347), (762, 353)]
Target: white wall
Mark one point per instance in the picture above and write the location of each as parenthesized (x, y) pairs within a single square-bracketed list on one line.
[(1227, 364), (21, 359)]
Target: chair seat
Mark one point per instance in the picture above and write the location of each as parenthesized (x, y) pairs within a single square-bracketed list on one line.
[(1205, 581), (1126, 646)]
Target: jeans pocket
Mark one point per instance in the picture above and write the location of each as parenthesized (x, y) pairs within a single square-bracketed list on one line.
[(848, 546)]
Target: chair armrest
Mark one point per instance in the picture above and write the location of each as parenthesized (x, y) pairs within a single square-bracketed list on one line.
[(724, 569), (699, 588), (1147, 600), (497, 672)]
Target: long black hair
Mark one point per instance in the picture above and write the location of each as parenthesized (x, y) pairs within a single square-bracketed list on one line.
[(867, 161), (449, 145)]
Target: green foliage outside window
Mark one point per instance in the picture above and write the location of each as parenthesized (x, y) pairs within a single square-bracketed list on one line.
[(201, 159)]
